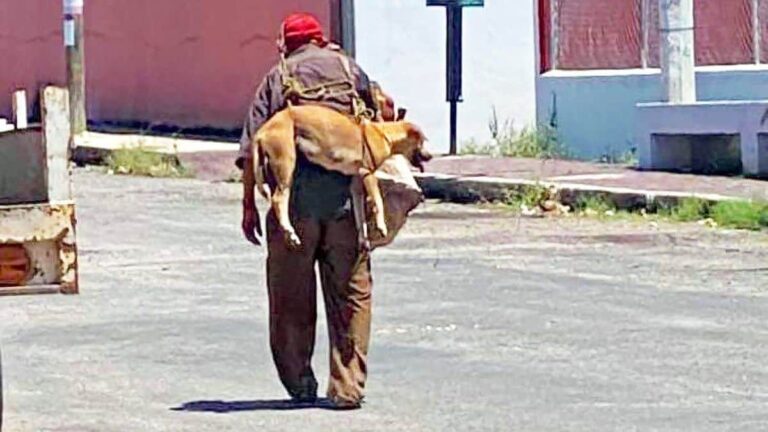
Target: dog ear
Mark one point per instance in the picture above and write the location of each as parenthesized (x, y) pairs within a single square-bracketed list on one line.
[(415, 133)]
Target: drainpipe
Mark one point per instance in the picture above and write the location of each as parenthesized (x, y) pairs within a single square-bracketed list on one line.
[(677, 51)]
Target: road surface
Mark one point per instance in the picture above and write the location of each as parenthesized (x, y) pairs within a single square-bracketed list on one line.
[(483, 321)]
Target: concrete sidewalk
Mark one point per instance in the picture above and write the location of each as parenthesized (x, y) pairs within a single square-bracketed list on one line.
[(478, 178), (467, 179)]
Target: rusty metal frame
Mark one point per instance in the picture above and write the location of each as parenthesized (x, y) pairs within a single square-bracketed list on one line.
[(44, 230), (45, 227)]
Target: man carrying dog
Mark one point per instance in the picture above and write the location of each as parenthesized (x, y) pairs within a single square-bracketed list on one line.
[(313, 71)]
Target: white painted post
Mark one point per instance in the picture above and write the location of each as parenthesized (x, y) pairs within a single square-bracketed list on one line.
[(20, 109), (756, 33), (554, 40), (678, 61), (57, 137)]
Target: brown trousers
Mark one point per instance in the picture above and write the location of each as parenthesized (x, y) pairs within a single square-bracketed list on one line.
[(346, 282)]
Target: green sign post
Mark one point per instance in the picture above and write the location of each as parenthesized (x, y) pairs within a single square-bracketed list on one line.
[(453, 9)]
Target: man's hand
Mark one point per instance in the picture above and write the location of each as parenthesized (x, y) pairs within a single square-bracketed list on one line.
[(251, 224)]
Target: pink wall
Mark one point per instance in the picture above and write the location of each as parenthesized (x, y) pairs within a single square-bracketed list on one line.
[(162, 61)]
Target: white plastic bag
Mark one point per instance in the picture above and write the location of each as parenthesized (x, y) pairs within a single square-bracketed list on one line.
[(401, 195)]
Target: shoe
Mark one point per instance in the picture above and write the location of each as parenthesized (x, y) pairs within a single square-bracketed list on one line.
[(306, 391), (339, 404)]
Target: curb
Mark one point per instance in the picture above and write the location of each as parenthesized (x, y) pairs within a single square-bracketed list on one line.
[(469, 190)]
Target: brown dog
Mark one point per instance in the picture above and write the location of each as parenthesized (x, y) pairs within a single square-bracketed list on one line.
[(336, 142)]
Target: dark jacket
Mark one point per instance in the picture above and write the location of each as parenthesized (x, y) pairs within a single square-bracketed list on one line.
[(316, 192)]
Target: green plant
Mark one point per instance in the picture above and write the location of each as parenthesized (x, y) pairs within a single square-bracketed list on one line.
[(689, 210), (142, 162), (472, 147), (741, 214), (541, 142), (595, 204), (528, 196)]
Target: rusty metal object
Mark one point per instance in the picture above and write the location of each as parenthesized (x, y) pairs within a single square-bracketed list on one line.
[(46, 233), (15, 265)]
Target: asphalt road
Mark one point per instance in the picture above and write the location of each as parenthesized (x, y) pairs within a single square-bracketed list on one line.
[(482, 322)]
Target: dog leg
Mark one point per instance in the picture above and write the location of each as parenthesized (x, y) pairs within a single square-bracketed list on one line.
[(372, 188), (280, 201), (282, 170), (358, 207)]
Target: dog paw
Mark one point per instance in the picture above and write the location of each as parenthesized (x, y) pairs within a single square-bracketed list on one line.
[(292, 240), (382, 229)]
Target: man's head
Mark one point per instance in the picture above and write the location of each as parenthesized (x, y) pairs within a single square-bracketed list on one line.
[(298, 30)]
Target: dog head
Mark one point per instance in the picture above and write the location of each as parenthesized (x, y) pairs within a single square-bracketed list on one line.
[(413, 145)]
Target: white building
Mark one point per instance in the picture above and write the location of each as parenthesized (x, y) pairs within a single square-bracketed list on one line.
[(599, 59)]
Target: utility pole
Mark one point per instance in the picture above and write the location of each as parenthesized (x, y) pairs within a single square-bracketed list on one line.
[(454, 27), (678, 61), (75, 56)]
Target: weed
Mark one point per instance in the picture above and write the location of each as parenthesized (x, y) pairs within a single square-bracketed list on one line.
[(528, 196), (595, 205), (540, 143), (741, 214), (689, 210), (472, 147), (141, 162)]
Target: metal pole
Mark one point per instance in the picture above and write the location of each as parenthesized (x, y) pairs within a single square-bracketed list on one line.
[(75, 57), (454, 123), (454, 22), (678, 68)]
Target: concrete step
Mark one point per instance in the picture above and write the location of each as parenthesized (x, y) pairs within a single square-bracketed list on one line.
[(5, 126)]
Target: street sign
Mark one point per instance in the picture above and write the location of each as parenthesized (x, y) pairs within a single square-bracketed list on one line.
[(459, 3)]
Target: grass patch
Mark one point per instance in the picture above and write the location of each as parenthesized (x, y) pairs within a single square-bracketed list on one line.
[(745, 215), (538, 143), (528, 196), (740, 214), (595, 204), (141, 162), (688, 210), (731, 214), (472, 147)]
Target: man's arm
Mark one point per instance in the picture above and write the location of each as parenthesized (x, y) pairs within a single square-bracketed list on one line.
[(268, 100), (363, 86)]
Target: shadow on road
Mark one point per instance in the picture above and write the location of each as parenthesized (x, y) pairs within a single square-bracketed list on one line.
[(224, 407)]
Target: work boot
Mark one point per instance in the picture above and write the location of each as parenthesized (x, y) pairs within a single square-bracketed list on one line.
[(338, 403)]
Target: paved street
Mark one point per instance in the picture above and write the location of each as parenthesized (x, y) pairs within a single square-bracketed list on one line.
[(483, 321)]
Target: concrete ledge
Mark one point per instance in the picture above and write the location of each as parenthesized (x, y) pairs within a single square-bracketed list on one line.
[(95, 148), (467, 190), (679, 136)]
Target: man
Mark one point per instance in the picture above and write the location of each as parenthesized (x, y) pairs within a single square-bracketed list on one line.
[(313, 72)]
